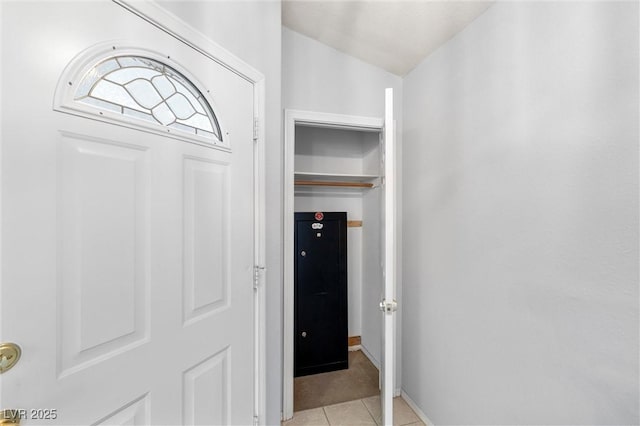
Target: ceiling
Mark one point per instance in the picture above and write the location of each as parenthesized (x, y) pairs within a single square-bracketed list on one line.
[(393, 35)]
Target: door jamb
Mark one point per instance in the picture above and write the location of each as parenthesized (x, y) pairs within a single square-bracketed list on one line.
[(171, 24), (291, 119)]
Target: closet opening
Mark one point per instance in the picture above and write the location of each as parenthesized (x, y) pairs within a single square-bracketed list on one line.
[(333, 176)]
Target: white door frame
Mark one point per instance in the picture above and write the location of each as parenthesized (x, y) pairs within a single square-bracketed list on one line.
[(291, 119), (171, 24)]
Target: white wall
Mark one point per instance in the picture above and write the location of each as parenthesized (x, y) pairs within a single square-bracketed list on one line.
[(318, 78), (252, 31), (323, 150), (521, 210), (372, 285)]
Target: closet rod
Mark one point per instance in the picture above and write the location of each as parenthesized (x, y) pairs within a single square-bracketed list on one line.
[(330, 183)]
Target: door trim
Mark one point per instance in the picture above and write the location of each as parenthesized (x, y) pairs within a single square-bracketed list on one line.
[(291, 119), (179, 29)]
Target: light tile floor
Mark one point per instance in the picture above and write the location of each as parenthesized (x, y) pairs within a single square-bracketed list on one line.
[(359, 412)]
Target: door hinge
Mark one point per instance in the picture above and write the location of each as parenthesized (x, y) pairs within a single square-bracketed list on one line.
[(256, 276), (256, 128), (388, 307)]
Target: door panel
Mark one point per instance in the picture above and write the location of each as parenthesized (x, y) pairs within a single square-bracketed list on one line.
[(206, 391), (133, 413), (126, 280), (206, 240), (103, 251), (320, 310)]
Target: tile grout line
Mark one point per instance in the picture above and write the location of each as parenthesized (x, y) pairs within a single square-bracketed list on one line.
[(325, 416), (371, 415), (369, 411)]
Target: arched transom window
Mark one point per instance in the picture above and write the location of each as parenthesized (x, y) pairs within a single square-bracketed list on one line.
[(145, 89)]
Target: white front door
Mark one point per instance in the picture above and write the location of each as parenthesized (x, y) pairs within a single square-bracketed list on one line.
[(388, 304), (126, 256)]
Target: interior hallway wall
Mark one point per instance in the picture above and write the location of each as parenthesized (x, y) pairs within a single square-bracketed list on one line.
[(318, 78), (521, 183), (252, 30)]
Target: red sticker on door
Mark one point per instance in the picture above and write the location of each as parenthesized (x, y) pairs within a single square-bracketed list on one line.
[(319, 216)]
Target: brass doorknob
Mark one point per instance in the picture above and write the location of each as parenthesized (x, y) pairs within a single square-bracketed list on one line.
[(9, 356), (10, 417)]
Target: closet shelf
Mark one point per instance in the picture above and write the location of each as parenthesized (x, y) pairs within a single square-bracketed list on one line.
[(335, 179), (333, 183)]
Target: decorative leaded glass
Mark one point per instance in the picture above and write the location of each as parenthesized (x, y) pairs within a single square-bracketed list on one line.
[(145, 89)]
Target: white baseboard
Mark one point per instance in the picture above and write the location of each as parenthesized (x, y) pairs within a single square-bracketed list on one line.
[(371, 357), (416, 409), (397, 391)]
